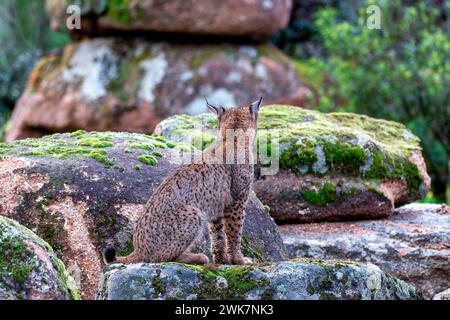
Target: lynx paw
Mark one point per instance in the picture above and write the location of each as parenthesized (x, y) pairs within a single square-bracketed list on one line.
[(242, 260)]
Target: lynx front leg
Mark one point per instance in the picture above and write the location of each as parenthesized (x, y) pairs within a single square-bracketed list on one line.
[(218, 242), (234, 221)]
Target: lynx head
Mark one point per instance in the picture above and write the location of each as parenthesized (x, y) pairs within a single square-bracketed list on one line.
[(237, 132), (237, 119)]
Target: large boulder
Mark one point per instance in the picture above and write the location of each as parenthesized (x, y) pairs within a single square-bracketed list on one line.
[(131, 85), (287, 280), (219, 17), (335, 166), (83, 192), (29, 269), (413, 244)]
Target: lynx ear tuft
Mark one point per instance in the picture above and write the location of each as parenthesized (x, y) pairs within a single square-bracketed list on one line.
[(217, 110), (254, 107)]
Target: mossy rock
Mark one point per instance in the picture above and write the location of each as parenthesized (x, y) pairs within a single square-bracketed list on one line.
[(83, 192), (300, 279), (29, 269), (329, 164)]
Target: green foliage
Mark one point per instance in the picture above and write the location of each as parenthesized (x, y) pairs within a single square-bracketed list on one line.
[(25, 35), (4, 117), (401, 72)]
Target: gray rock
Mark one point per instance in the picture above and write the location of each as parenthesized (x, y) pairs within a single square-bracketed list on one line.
[(29, 269), (287, 280), (413, 244)]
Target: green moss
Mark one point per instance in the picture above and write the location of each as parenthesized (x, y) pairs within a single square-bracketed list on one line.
[(77, 133), (143, 146), (103, 142), (326, 195), (237, 277), (412, 176), (344, 158), (298, 157), (148, 159), (334, 144), (18, 263), (100, 158), (393, 166), (15, 260), (137, 167), (157, 154), (157, 284), (65, 282)]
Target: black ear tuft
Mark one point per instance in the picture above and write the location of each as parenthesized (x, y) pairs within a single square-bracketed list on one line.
[(217, 110), (254, 107), (109, 255)]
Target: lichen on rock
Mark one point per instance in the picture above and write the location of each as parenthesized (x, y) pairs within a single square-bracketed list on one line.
[(29, 269), (300, 279), (131, 84), (347, 154)]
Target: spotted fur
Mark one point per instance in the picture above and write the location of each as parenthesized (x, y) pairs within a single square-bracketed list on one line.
[(207, 194)]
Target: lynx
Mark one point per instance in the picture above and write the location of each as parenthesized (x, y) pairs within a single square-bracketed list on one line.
[(209, 193)]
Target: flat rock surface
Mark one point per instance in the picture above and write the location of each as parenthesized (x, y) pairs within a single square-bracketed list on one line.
[(413, 244)]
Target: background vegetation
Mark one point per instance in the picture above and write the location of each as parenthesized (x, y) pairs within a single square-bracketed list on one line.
[(25, 35), (401, 72)]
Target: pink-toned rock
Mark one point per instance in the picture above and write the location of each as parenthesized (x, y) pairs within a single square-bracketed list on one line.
[(413, 244), (219, 17), (114, 84), (83, 192)]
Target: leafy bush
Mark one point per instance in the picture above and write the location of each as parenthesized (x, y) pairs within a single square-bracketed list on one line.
[(401, 72)]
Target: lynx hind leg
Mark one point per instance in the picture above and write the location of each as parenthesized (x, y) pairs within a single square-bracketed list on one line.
[(195, 226)]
